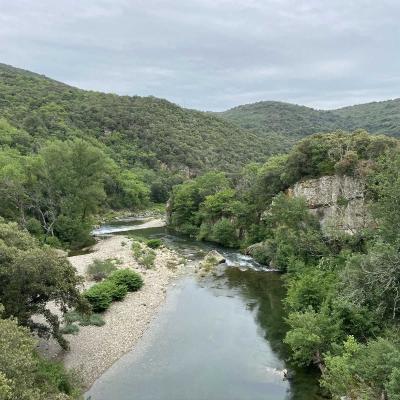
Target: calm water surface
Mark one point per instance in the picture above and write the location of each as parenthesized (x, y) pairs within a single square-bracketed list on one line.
[(216, 338)]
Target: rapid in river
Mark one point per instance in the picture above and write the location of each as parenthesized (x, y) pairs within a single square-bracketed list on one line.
[(218, 337)]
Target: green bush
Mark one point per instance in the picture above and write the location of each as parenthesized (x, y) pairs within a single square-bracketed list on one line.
[(34, 226), (92, 319), (83, 319), (154, 243), (53, 241), (118, 290), (143, 254), (99, 270), (224, 232), (128, 278), (70, 329), (137, 249), (72, 316), (148, 259), (55, 375), (99, 296)]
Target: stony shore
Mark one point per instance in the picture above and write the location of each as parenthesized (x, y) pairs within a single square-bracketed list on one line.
[(95, 349)]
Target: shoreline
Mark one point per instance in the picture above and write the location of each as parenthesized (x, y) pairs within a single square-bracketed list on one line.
[(95, 349)]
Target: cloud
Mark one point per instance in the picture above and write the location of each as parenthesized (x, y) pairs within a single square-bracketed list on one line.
[(211, 54)]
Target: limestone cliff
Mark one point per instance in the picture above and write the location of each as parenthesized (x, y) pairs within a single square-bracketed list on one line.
[(338, 202)]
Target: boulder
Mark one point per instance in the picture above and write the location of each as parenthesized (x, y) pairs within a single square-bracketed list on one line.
[(214, 257)]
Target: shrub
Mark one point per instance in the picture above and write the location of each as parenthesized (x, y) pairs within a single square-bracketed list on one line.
[(144, 255), (83, 319), (70, 329), (224, 232), (99, 296), (154, 243), (137, 249), (99, 270), (34, 226), (92, 319), (118, 290), (148, 259), (128, 278), (55, 375), (72, 316), (52, 241)]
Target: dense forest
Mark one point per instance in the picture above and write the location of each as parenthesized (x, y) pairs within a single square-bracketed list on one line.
[(294, 122), (342, 289), (138, 132)]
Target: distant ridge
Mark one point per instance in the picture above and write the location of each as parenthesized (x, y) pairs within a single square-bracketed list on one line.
[(296, 121)]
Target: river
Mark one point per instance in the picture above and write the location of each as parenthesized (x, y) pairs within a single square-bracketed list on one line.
[(216, 338)]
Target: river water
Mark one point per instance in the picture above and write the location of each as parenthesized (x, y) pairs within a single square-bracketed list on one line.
[(216, 338)]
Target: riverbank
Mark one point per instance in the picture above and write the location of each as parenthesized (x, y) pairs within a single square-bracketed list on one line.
[(94, 349)]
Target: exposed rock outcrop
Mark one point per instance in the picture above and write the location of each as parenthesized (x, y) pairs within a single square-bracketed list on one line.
[(338, 202)]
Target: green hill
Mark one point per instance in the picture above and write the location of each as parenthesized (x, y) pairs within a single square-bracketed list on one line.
[(138, 131), (294, 121)]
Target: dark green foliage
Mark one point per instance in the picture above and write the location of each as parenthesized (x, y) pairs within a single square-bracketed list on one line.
[(154, 243), (100, 269), (224, 232), (118, 291), (99, 297), (126, 277), (102, 294)]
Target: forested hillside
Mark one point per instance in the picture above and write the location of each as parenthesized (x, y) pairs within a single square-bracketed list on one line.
[(294, 122), (137, 131), (342, 299), (67, 154)]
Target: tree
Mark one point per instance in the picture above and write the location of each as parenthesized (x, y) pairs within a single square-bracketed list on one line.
[(31, 277), (373, 280), (312, 334), (384, 187), (23, 374), (363, 371)]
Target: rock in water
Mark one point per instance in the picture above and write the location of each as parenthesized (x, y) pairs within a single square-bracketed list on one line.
[(210, 261), (214, 257)]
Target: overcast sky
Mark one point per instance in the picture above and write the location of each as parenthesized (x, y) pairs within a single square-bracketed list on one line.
[(211, 54)]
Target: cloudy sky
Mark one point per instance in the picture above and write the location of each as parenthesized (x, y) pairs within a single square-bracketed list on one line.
[(211, 54)]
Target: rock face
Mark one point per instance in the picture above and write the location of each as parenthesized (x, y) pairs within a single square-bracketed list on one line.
[(338, 202)]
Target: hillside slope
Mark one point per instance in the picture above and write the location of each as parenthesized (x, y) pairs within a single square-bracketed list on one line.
[(142, 131), (294, 121)]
